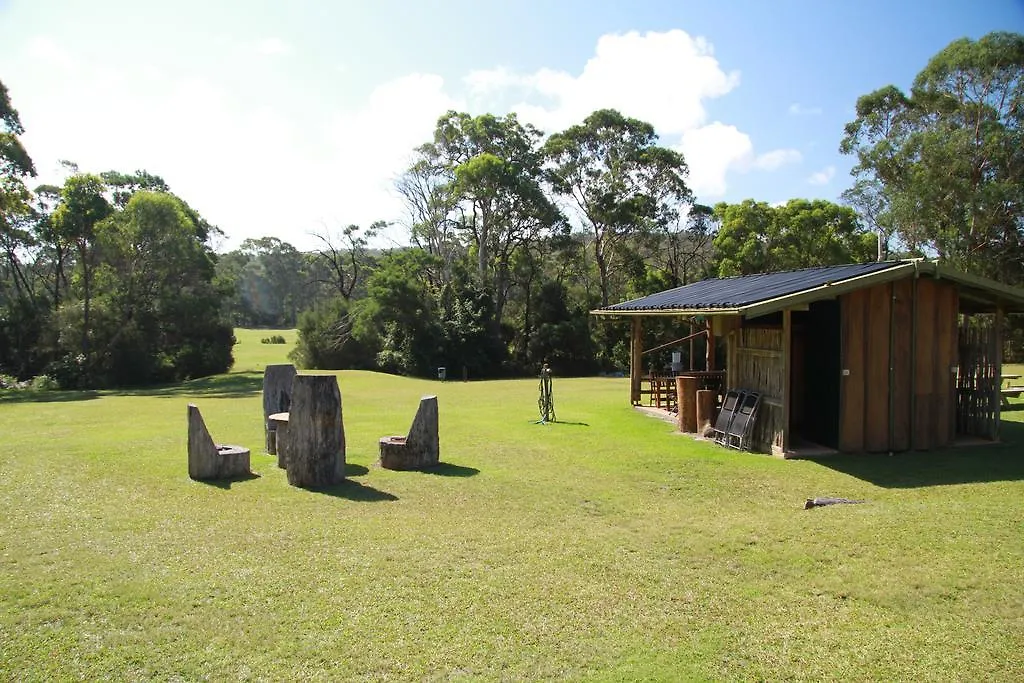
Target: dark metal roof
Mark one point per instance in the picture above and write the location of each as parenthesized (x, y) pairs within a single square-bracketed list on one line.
[(745, 290)]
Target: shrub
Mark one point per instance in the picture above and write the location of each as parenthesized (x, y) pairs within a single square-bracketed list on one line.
[(274, 339), (44, 383)]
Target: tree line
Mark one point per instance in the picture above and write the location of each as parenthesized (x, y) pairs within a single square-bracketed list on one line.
[(514, 235)]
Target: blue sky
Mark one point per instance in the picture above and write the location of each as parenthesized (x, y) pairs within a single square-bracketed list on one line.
[(285, 118)]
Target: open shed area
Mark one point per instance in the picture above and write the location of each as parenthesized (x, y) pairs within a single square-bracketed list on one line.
[(877, 357)]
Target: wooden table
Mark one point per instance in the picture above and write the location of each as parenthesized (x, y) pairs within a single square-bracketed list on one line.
[(1008, 392)]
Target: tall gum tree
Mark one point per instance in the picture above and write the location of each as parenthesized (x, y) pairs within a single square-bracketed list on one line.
[(945, 164), (618, 180)]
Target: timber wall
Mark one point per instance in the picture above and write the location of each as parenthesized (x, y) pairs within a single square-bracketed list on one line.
[(899, 354), (756, 364)]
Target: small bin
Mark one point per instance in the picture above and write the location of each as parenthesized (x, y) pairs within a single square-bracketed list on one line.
[(442, 374)]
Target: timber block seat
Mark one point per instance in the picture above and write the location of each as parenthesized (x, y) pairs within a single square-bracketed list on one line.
[(277, 437), (208, 460), (277, 398), (421, 448)]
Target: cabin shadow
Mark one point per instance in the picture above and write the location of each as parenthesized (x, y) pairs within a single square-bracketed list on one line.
[(226, 483), (355, 491), (445, 469), (962, 465)]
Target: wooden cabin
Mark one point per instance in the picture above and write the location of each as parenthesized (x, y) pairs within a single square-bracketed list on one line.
[(876, 357)]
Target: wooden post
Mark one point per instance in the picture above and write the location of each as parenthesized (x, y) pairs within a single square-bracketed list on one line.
[(691, 344), (686, 397), (997, 398), (709, 353), (705, 410), (636, 361), (787, 380)]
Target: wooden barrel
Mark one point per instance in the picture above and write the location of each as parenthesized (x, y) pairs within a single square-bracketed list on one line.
[(705, 409), (686, 393)]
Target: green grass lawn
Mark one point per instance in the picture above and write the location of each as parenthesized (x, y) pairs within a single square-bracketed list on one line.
[(603, 547)]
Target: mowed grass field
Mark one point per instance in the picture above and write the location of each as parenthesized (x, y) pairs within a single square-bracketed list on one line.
[(603, 547)]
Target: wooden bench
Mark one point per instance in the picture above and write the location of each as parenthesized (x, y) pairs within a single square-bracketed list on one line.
[(1010, 392)]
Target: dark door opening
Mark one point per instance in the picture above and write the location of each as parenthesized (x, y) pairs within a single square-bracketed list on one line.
[(815, 379)]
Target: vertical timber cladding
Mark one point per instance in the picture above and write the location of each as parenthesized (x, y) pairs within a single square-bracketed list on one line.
[(935, 352), (921, 414), (903, 293), (759, 366), (852, 394), (876, 374)]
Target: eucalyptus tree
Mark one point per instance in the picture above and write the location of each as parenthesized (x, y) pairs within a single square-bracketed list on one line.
[(619, 182), (487, 173), (82, 207), (946, 161)]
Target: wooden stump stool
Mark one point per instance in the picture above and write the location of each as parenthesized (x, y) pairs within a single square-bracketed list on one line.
[(315, 452), (277, 398), (278, 438), (421, 448), (208, 460)]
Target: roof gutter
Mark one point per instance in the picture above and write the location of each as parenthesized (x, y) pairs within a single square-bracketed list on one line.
[(680, 312)]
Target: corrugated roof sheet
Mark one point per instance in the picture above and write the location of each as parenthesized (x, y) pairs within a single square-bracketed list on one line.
[(744, 290)]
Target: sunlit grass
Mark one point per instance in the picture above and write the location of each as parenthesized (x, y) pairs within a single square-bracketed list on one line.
[(602, 547)]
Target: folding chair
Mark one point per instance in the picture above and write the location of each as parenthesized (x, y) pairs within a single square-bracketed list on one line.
[(732, 400), (738, 433)]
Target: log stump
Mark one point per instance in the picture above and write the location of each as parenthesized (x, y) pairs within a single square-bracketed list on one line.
[(421, 448), (705, 410), (208, 460), (686, 397), (278, 423), (315, 451), (277, 398)]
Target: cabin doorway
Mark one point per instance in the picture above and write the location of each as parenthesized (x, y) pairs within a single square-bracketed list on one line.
[(815, 375)]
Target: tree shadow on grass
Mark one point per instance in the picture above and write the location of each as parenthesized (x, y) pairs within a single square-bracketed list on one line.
[(226, 483), (353, 490), (556, 423), (232, 385), (446, 469), (962, 465), (29, 396), (352, 470)]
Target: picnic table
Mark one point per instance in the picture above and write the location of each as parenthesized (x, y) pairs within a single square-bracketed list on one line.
[(1008, 392)]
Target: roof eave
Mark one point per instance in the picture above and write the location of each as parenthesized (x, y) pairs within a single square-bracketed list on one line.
[(680, 312), (827, 291)]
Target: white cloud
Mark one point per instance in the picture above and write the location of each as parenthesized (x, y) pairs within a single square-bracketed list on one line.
[(273, 46), (797, 109), (255, 167), (47, 51), (714, 150), (661, 78), (822, 177), (777, 158)]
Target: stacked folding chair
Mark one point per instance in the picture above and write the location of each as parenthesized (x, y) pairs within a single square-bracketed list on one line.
[(736, 419)]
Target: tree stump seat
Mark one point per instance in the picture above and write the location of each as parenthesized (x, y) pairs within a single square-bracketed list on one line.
[(277, 437), (313, 449), (420, 449), (277, 398), (208, 460)]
